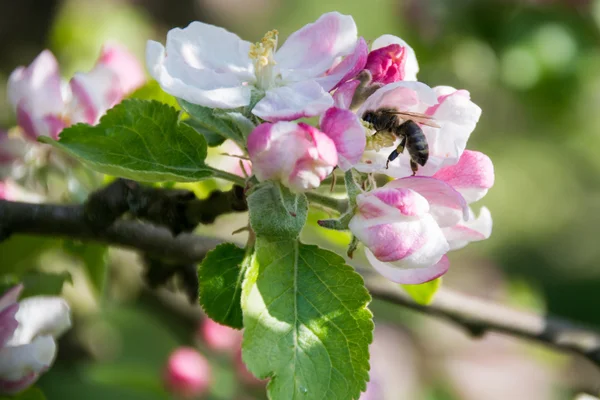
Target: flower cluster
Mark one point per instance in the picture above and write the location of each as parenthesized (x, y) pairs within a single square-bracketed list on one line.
[(27, 337), (45, 104), (325, 70)]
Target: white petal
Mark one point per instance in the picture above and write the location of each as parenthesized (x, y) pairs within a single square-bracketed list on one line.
[(198, 86), (41, 315), (312, 50), (37, 87), (473, 230), (409, 276), (299, 100), (18, 361), (411, 68), (205, 46), (93, 93)]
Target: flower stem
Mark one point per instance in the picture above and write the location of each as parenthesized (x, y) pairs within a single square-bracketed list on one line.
[(338, 205), (238, 180)]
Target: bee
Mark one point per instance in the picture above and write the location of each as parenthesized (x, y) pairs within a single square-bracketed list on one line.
[(390, 124)]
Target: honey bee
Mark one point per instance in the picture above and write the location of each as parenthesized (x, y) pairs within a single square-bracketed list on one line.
[(390, 124)]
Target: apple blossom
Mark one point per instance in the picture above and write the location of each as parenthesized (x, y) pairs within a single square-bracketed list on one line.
[(410, 224), (187, 373), (451, 109), (298, 155), (27, 337), (207, 65), (45, 104)]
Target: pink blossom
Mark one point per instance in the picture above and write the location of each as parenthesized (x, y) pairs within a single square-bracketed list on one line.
[(188, 373), (27, 337), (348, 134), (11, 149), (128, 69), (298, 155), (408, 225), (45, 104), (220, 337), (207, 65), (451, 109)]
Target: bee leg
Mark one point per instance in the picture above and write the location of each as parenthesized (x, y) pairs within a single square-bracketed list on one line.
[(396, 152), (414, 167)]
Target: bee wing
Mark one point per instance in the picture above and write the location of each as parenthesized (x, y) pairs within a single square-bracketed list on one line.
[(424, 119)]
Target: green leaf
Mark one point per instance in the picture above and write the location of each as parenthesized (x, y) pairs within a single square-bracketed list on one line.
[(140, 140), (220, 278), (30, 394), (212, 139), (425, 292), (213, 121), (306, 321), (44, 283), (275, 212), (94, 258)]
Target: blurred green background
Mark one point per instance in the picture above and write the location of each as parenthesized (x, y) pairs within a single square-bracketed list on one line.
[(533, 67)]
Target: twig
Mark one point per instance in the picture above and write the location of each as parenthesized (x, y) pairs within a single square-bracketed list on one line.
[(475, 315)]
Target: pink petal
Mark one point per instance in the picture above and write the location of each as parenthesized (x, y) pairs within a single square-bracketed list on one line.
[(128, 69), (312, 50), (37, 88), (472, 176), (8, 323), (348, 134), (295, 101), (347, 69), (411, 66), (381, 206), (345, 93), (409, 276), (94, 93), (11, 296), (473, 230), (439, 194)]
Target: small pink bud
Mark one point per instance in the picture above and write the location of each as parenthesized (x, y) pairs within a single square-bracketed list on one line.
[(298, 155), (187, 373), (220, 337), (387, 64)]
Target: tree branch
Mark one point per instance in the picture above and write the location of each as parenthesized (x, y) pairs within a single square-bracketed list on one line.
[(475, 315)]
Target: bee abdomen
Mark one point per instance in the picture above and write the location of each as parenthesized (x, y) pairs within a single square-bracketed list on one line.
[(416, 142)]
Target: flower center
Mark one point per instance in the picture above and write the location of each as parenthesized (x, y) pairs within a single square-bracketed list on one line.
[(261, 54)]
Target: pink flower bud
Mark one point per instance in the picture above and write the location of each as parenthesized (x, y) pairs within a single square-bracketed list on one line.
[(298, 155), (187, 373), (128, 69), (387, 64), (220, 337)]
